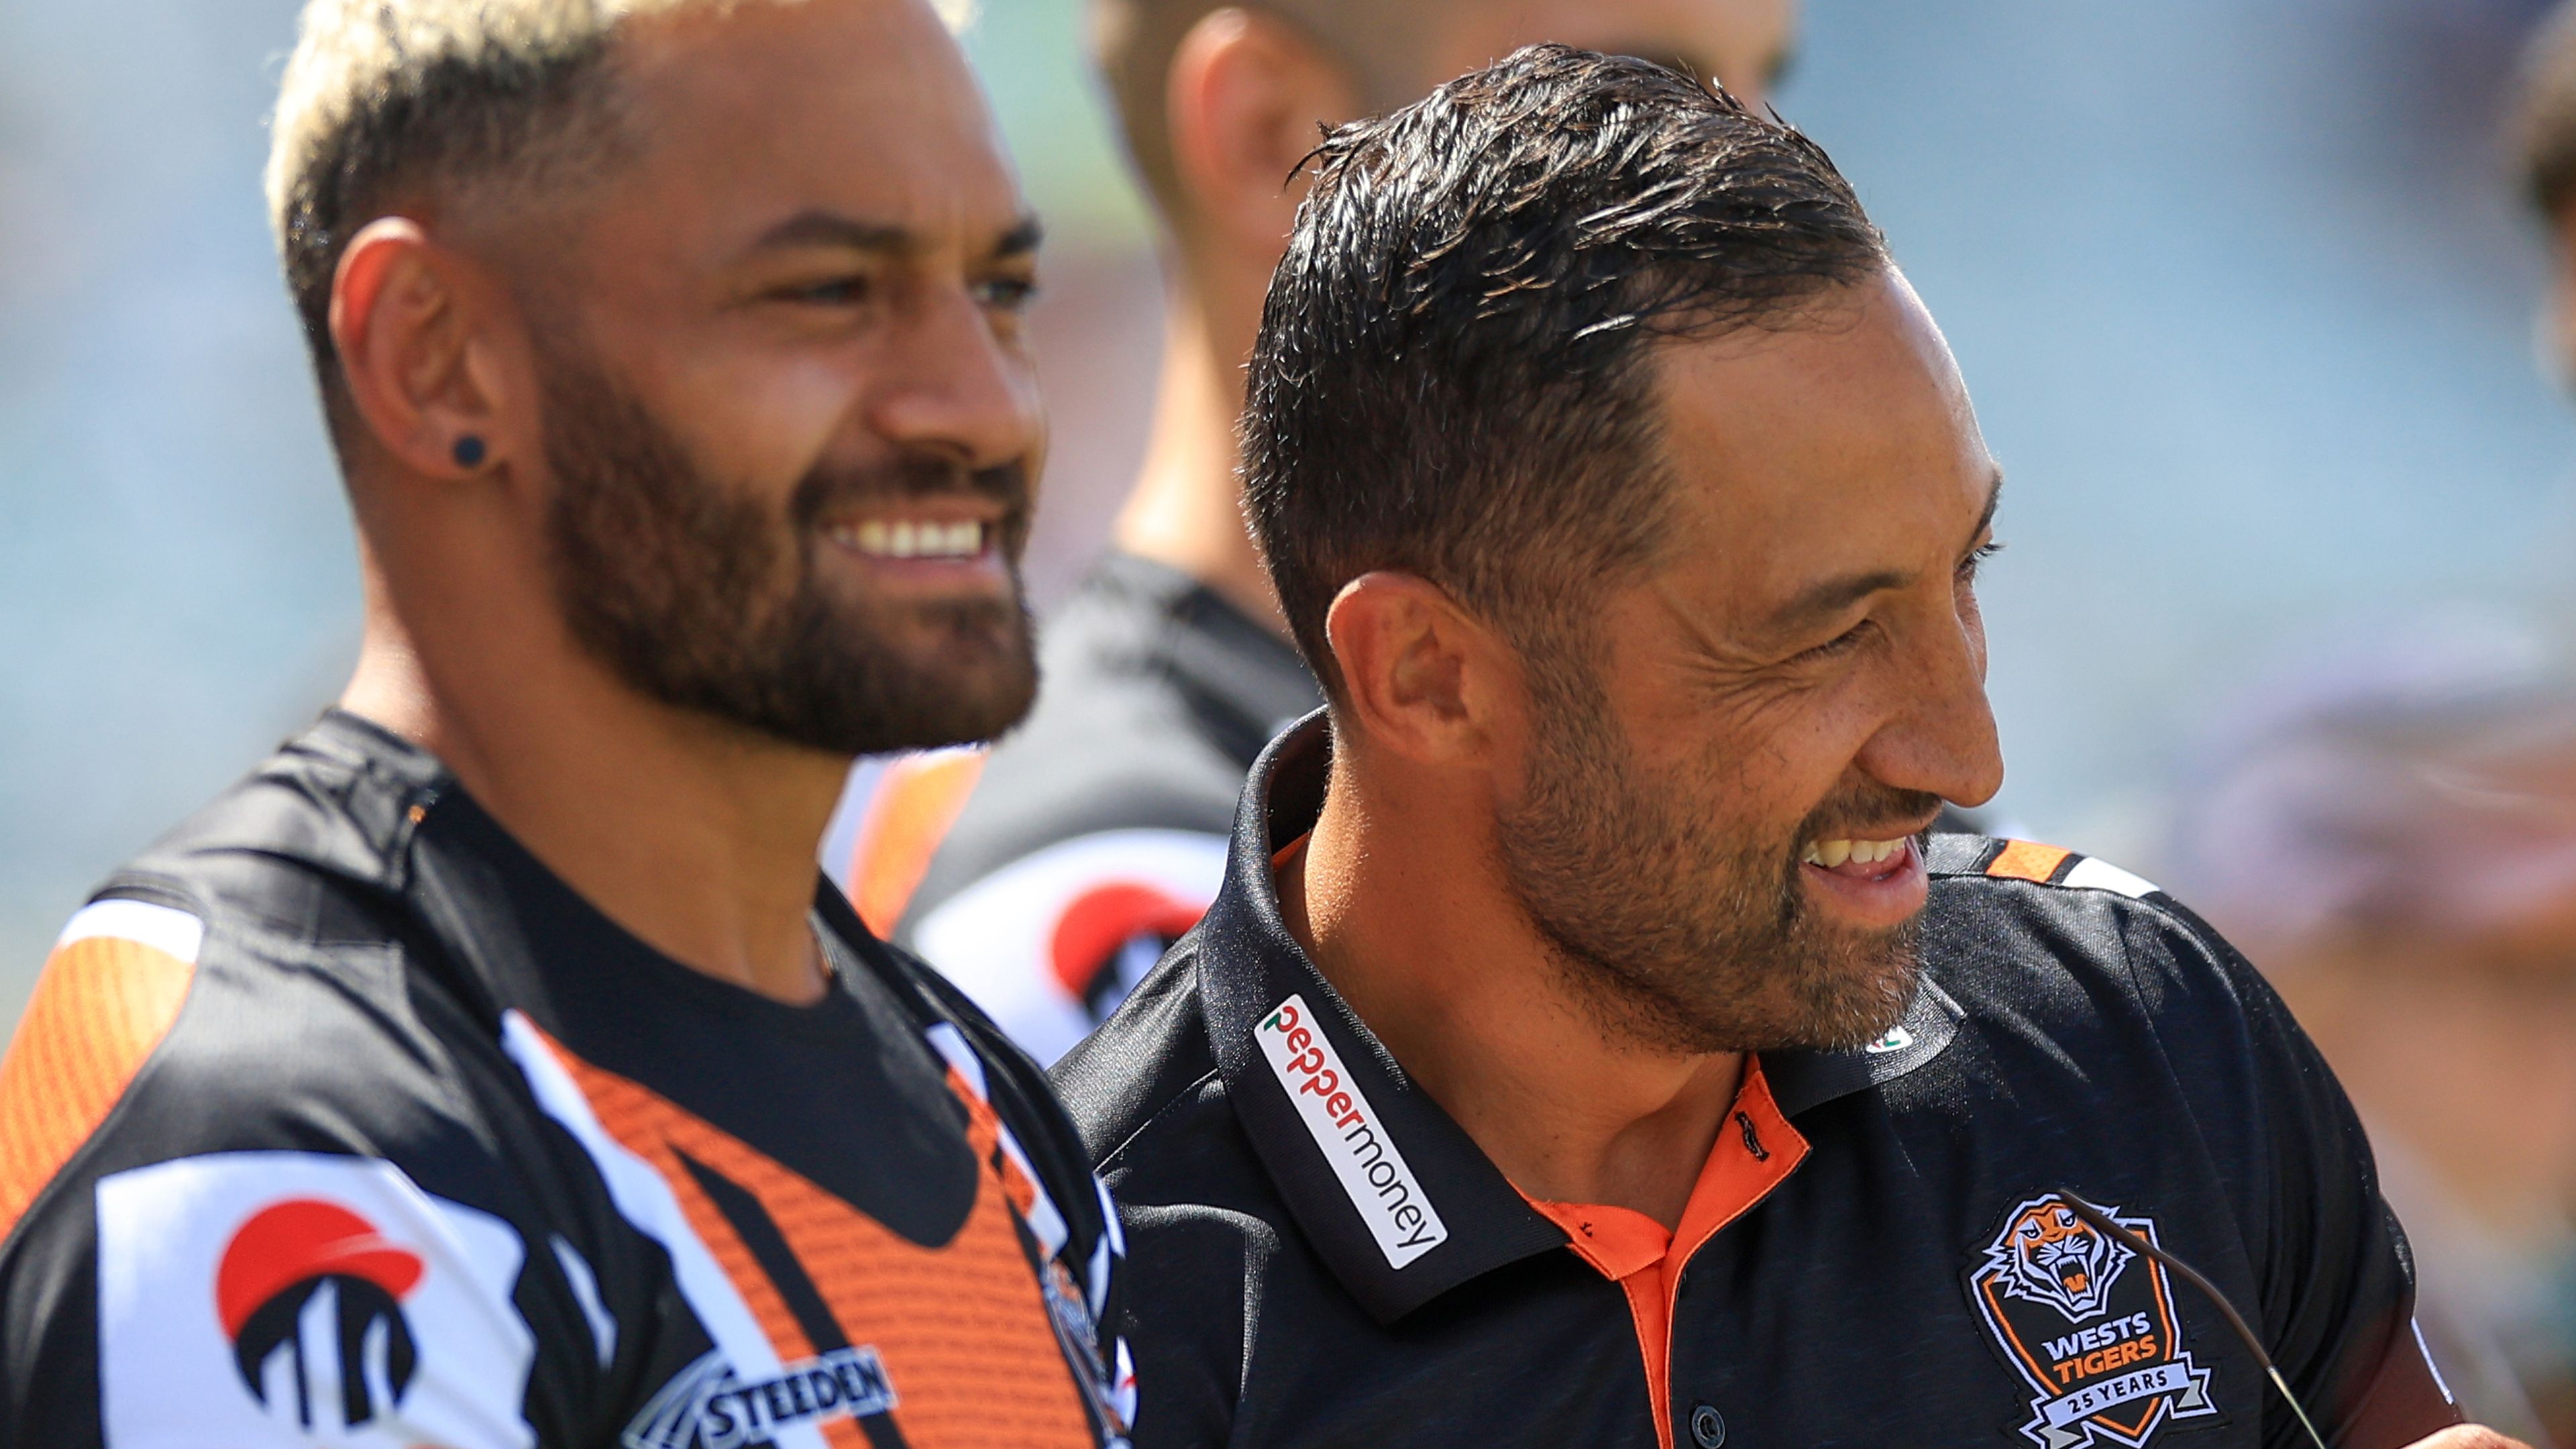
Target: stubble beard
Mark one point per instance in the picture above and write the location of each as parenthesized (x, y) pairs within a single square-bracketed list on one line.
[(1674, 931), (674, 583)]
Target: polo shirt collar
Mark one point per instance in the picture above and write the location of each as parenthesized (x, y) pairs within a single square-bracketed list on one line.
[(1802, 1081), (1394, 1195)]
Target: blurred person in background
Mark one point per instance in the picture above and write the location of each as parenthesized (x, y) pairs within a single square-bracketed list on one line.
[(2544, 131), (1046, 877), (2394, 838), (2392, 833), (492, 1068)]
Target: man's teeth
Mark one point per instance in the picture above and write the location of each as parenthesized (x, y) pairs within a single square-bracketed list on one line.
[(908, 539), (1831, 853)]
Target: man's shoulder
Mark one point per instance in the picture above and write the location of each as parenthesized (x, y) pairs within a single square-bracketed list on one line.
[(250, 982), (158, 1032), (1068, 803), (1201, 1213), (201, 1110), (1098, 757), (997, 1070), (1094, 836), (307, 845), (2073, 946), (2078, 908)]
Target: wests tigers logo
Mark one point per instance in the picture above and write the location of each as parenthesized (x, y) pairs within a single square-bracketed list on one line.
[(2051, 1256), (2088, 1326)]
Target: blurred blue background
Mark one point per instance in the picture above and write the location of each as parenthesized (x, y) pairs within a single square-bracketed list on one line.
[(2241, 288)]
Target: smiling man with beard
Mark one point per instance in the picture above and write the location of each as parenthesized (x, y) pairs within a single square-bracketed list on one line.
[(491, 1069), (1591, 1044)]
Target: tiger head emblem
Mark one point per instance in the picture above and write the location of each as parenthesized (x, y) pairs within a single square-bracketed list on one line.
[(2049, 1255)]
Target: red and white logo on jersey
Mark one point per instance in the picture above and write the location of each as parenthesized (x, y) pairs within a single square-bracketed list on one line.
[(308, 1283), (1051, 943), (292, 1298)]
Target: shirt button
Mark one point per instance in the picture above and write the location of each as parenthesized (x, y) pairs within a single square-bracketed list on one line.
[(1708, 1427)]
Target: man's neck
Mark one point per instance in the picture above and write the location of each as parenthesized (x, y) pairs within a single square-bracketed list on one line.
[(1415, 929), (1186, 509), (693, 836)]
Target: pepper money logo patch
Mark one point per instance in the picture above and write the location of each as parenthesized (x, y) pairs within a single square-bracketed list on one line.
[(1346, 1129), (2088, 1324)]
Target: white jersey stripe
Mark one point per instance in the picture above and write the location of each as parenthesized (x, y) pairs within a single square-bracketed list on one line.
[(166, 929), (646, 1201), (952, 1045), (1044, 1221), (2101, 875)]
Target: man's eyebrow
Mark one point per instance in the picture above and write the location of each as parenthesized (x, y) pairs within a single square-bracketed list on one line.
[(1021, 240), (1699, 67), (1822, 601), (1784, 63), (832, 229), (1994, 497)]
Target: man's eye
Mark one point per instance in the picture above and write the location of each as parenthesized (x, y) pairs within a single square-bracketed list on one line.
[(1969, 566), (1841, 644), (830, 292), (1008, 294)]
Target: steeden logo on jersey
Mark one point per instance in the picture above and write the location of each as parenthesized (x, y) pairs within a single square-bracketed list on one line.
[(1363, 1156), (709, 1406), (2089, 1325)]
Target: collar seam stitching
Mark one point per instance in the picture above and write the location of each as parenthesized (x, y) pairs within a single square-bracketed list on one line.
[(1215, 1073)]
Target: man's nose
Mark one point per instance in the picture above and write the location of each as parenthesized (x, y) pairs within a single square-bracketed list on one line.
[(1941, 738), (953, 388)]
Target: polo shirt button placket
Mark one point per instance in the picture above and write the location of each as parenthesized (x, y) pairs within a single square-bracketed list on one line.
[(1708, 1427)]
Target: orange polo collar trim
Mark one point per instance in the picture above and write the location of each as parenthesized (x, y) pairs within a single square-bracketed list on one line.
[(1756, 1150)]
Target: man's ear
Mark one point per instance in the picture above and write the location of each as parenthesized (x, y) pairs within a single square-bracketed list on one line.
[(1420, 676), (412, 324), (1246, 93)]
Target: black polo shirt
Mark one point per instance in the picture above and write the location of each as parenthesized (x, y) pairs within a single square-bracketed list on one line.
[(1875, 1254)]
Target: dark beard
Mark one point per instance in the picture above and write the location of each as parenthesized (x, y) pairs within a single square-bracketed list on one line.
[(1675, 932), (711, 602)]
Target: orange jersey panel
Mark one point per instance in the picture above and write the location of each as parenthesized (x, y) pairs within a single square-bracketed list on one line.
[(914, 806), (960, 1327), (102, 1005), (2027, 860)]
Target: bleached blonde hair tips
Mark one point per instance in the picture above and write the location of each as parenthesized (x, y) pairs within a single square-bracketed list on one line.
[(348, 49), (381, 91)]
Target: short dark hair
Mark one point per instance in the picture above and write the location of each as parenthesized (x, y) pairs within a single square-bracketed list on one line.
[(2544, 114), (1450, 374)]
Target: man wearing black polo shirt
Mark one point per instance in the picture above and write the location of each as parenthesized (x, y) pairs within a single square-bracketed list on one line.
[(1590, 1044)]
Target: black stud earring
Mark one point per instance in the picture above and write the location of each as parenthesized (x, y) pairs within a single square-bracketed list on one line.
[(469, 451)]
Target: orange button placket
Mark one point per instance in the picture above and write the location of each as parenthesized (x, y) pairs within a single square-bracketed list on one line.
[(1633, 1250)]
